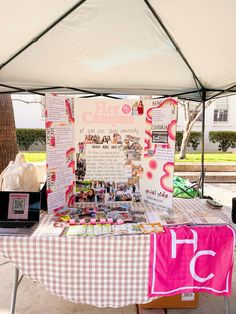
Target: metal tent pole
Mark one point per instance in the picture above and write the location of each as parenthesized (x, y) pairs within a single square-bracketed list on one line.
[(227, 307), (17, 282), (203, 141), (14, 291)]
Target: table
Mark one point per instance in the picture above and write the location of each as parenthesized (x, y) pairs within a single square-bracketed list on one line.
[(100, 271)]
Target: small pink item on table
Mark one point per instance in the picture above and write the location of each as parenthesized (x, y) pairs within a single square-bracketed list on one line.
[(82, 221), (72, 222), (93, 221), (120, 221), (103, 221), (110, 221)]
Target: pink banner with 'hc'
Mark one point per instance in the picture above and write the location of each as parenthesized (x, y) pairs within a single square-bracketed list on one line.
[(186, 259)]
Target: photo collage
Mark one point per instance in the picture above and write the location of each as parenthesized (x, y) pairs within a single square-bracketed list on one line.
[(109, 190)]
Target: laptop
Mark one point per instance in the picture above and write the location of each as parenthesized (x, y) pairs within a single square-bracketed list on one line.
[(19, 209)]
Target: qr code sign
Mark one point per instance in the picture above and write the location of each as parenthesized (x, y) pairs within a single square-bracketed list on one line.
[(19, 206)]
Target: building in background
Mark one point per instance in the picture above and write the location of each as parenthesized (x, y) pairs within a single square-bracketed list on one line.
[(219, 116)]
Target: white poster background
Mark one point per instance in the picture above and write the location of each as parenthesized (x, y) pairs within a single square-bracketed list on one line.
[(161, 117), (56, 157), (59, 139), (108, 117), (157, 184), (56, 199), (117, 122), (55, 107), (105, 162), (120, 135)]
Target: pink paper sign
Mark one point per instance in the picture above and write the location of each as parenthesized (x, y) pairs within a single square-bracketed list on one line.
[(18, 207), (190, 259)]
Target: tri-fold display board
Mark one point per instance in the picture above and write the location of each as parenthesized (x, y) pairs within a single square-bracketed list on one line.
[(108, 150)]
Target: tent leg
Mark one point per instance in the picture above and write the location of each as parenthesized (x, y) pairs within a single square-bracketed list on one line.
[(203, 141), (227, 307), (14, 292)]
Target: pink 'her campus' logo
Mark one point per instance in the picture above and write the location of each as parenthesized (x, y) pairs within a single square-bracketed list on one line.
[(187, 259), (126, 109)]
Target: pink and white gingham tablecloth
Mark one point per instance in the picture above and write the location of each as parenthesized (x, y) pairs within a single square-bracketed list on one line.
[(100, 271)]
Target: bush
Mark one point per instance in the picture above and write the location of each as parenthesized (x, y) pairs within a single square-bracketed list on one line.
[(27, 137), (194, 140), (226, 139)]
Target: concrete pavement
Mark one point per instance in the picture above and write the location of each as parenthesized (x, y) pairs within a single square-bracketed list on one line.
[(222, 192)]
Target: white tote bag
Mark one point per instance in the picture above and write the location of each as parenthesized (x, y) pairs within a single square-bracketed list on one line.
[(19, 175)]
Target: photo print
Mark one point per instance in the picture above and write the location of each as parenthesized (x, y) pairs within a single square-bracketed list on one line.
[(108, 168), (160, 137)]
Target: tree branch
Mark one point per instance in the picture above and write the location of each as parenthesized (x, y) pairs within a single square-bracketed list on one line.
[(27, 102), (189, 123), (186, 106)]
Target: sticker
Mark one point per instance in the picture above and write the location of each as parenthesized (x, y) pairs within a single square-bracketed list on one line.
[(190, 296), (140, 108), (126, 109), (135, 109), (150, 152), (76, 230)]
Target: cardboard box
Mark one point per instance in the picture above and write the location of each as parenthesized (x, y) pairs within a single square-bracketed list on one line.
[(180, 301)]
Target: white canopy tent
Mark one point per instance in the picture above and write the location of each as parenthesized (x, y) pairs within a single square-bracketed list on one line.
[(157, 47), (183, 48)]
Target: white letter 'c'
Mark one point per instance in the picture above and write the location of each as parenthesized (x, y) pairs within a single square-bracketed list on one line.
[(193, 262)]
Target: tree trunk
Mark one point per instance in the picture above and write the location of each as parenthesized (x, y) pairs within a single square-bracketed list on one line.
[(8, 144), (183, 149)]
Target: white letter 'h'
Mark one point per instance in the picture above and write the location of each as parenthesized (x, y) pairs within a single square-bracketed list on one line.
[(187, 241)]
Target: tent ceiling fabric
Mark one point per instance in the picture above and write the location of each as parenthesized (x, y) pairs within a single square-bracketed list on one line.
[(107, 46), (206, 33)]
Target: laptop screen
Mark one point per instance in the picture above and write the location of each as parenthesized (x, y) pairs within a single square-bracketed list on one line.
[(19, 206)]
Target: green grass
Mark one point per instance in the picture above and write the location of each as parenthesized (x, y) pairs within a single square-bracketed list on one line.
[(208, 157), (34, 156), (192, 157)]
